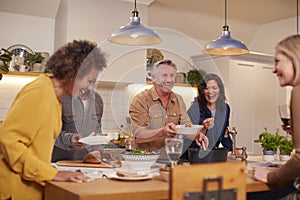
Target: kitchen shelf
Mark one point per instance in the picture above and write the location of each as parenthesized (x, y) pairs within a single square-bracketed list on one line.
[(16, 73), (99, 84)]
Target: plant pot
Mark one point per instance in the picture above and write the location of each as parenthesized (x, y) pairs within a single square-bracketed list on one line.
[(284, 157), (269, 155)]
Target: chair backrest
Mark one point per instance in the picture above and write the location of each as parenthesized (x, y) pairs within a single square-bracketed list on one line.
[(196, 181)]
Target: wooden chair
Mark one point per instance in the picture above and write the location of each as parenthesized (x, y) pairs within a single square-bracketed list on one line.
[(208, 181)]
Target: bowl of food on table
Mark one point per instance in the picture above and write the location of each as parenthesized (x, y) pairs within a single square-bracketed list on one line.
[(140, 160)]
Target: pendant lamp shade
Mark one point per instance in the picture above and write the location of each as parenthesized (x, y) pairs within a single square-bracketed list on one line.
[(134, 33), (225, 45)]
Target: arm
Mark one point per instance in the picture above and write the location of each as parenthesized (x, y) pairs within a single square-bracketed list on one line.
[(287, 172), (226, 141), (26, 145)]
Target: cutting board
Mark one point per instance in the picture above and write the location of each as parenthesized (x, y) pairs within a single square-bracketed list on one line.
[(79, 163)]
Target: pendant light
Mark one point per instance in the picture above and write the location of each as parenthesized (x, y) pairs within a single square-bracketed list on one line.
[(225, 45), (134, 33)]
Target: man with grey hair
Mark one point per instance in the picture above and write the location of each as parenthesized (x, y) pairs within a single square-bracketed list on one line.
[(156, 111)]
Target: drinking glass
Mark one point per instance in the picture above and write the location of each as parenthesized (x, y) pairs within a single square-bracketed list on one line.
[(284, 112), (174, 147)]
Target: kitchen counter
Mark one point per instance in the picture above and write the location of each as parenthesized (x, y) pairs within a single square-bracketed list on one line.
[(104, 188)]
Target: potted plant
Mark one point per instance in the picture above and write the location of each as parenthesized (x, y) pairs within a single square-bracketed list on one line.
[(5, 57), (269, 143), (285, 148), (195, 76), (32, 59)]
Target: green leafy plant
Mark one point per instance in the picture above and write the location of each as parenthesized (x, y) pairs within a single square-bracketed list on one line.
[(195, 76), (153, 56), (286, 147), (33, 58), (269, 141), (5, 57)]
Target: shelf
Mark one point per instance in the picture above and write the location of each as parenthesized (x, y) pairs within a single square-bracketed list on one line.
[(99, 84), (14, 73)]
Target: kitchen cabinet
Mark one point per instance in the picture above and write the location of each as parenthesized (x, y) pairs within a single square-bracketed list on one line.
[(252, 91)]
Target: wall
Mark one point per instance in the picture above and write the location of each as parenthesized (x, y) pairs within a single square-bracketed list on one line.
[(35, 32), (268, 35), (116, 98)]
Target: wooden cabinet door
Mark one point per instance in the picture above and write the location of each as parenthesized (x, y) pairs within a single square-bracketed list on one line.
[(254, 95)]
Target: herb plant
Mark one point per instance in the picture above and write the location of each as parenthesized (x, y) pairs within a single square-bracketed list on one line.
[(286, 147), (269, 141)]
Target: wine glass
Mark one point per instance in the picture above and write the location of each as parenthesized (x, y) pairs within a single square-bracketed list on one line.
[(174, 147), (285, 116)]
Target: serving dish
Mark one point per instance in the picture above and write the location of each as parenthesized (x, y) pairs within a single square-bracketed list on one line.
[(140, 161), (198, 155), (182, 129), (95, 140)]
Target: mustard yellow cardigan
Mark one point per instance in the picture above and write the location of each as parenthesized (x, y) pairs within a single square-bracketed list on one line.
[(27, 136)]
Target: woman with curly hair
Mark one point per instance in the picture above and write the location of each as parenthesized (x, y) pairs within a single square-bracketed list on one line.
[(32, 124)]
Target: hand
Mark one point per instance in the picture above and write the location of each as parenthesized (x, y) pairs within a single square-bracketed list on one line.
[(287, 128), (200, 139), (188, 124), (208, 123), (260, 174), (169, 130), (70, 176), (75, 142)]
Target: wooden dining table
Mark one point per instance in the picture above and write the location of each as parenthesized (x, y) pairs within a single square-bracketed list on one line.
[(108, 189)]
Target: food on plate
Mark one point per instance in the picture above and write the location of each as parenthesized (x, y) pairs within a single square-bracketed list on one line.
[(131, 174), (92, 157)]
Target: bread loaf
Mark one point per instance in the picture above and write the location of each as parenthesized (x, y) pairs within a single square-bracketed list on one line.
[(92, 157)]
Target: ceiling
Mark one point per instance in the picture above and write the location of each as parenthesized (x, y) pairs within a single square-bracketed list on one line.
[(200, 19), (250, 11)]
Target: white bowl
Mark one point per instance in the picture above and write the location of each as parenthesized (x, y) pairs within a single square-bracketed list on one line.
[(269, 158), (140, 161), (182, 129), (284, 157)]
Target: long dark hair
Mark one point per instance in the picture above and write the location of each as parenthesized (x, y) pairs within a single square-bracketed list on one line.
[(221, 104)]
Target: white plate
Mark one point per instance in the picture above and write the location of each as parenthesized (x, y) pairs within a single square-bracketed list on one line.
[(139, 178), (182, 129), (94, 140), (148, 171)]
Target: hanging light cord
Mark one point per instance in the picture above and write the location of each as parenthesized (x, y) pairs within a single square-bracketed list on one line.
[(297, 17), (225, 12), (135, 13)]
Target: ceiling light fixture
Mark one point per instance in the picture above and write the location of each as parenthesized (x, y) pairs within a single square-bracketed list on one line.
[(225, 45), (134, 33)]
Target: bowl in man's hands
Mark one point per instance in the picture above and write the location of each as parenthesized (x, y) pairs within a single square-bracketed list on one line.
[(185, 130)]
